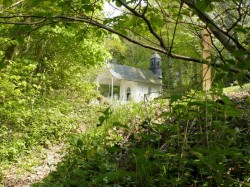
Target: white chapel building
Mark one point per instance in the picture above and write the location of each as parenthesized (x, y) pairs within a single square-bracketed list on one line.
[(133, 83)]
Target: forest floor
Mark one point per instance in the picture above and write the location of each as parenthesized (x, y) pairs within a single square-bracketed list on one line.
[(25, 173), (33, 169)]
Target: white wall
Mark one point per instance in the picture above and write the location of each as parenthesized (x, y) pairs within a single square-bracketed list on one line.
[(123, 89), (138, 90), (143, 89)]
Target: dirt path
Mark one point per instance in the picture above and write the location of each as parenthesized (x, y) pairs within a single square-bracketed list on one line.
[(17, 177)]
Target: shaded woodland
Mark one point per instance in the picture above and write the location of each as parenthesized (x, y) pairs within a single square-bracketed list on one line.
[(50, 55)]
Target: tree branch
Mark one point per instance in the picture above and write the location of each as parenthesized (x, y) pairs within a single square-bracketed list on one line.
[(24, 23), (102, 26), (229, 42), (142, 16), (175, 27)]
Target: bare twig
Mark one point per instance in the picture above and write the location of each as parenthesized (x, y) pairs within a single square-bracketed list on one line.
[(175, 28)]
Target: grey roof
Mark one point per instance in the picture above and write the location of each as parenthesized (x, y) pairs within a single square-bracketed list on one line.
[(133, 74)]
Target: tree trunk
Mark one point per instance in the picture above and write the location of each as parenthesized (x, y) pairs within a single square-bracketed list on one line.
[(206, 54)]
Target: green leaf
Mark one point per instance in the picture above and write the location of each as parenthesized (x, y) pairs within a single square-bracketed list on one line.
[(239, 53), (91, 152), (240, 28), (85, 1), (2, 65), (245, 65), (7, 3), (113, 176), (175, 98), (88, 8), (79, 143), (248, 100), (98, 33), (102, 119), (195, 103), (226, 100), (231, 61), (232, 111), (220, 76), (202, 5), (118, 4), (107, 111), (225, 67), (118, 124), (107, 21), (35, 2), (114, 149)]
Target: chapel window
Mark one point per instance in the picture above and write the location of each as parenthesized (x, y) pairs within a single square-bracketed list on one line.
[(149, 90), (128, 93)]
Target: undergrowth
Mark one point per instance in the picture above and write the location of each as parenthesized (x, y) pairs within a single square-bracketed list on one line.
[(195, 141), (35, 114)]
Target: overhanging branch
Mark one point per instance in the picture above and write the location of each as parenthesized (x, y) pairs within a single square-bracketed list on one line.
[(227, 40), (102, 26)]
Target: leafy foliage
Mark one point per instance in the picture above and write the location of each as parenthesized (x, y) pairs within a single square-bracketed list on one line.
[(198, 142), (159, 26), (44, 87), (47, 49)]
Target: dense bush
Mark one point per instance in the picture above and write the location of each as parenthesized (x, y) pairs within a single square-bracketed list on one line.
[(197, 142), (28, 117), (41, 102)]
